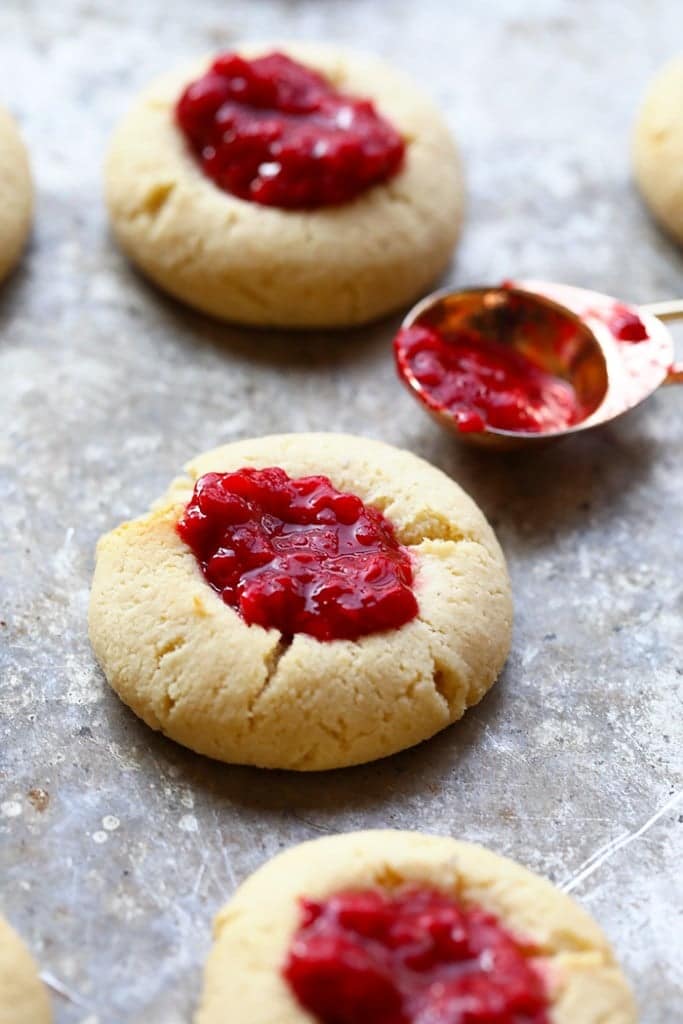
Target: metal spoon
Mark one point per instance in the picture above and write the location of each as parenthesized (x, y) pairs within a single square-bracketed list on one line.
[(567, 331)]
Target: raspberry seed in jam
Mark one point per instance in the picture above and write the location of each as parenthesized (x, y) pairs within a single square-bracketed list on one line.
[(297, 555), (275, 132), (415, 956)]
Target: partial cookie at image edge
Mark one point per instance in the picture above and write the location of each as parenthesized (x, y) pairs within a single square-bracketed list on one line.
[(658, 148), (23, 998), (16, 194), (253, 931)]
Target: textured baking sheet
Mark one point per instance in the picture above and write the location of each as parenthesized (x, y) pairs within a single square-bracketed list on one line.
[(116, 846)]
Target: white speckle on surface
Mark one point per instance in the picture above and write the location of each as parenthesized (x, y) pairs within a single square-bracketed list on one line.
[(83, 685), (10, 809), (106, 289), (188, 823), (99, 837), (110, 823)]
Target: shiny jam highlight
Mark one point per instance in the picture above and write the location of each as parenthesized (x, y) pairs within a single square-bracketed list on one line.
[(297, 555), (415, 956)]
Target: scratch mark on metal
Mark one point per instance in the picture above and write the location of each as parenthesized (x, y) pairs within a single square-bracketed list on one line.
[(198, 880), (312, 824), (597, 859), (226, 860), (494, 742), (61, 990)]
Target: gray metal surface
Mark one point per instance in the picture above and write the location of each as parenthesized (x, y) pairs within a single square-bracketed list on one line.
[(573, 762)]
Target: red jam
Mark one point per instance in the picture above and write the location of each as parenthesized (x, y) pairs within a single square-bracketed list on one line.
[(626, 325), (483, 383), (275, 132), (298, 555), (412, 957)]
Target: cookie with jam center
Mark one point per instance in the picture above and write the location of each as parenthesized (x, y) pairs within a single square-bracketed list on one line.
[(407, 928), (288, 186), (303, 601)]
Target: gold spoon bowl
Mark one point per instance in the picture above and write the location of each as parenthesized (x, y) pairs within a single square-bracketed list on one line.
[(571, 333)]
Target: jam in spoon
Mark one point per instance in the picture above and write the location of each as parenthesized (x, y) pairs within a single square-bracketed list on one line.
[(532, 361)]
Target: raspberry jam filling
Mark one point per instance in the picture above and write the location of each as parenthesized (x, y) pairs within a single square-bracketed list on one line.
[(483, 383), (298, 555), (275, 132), (626, 325), (412, 957)]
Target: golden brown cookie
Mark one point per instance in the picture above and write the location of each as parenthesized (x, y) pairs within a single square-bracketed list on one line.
[(16, 194), (189, 665), (23, 999), (658, 148), (253, 934), (261, 265)]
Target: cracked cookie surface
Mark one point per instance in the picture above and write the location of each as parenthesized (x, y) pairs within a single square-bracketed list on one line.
[(16, 194), (333, 266), (23, 999), (190, 666), (252, 934)]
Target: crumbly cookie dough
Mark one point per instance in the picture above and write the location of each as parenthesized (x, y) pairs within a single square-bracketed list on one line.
[(188, 665), (330, 267), (16, 194), (252, 933), (23, 999), (658, 148)]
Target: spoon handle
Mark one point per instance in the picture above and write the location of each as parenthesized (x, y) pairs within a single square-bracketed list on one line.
[(672, 310), (675, 374)]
